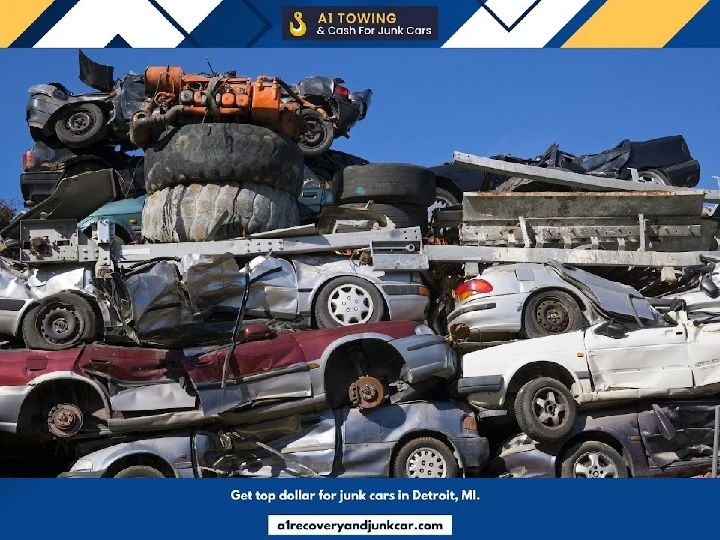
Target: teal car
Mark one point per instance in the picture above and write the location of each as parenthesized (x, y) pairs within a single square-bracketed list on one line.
[(125, 214)]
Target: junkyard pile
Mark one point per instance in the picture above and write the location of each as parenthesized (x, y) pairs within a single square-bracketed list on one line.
[(222, 296)]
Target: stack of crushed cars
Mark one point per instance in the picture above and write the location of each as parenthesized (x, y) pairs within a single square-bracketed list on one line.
[(317, 364)]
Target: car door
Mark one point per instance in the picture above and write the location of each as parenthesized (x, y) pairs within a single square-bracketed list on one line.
[(678, 437), (139, 379), (705, 353), (652, 359), (272, 369)]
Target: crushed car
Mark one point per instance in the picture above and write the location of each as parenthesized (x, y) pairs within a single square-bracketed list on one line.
[(407, 440), (80, 121), (98, 390), (534, 300), (541, 382), (646, 439), (343, 110)]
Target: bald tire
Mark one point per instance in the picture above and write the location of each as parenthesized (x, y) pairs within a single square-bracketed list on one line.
[(216, 211)]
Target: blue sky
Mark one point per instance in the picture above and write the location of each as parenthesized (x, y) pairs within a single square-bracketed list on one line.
[(428, 103)]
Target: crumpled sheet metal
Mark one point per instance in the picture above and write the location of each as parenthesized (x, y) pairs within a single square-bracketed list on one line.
[(23, 283), (168, 294)]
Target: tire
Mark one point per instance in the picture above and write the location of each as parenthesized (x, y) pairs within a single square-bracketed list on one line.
[(363, 303), (318, 133), (402, 215), (59, 322), (192, 213), (443, 199), (525, 185), (593, 459), (386, 182), (531, 417), (139, 471), (550, 313), (204, 153), (425, 457), (80, 126)]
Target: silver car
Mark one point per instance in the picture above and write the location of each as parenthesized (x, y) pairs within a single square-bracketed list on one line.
[(535, 300), (409, 440)]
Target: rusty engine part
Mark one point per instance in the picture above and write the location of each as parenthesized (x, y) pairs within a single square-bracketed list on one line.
[(179, 98), (65, 420), (366, 393)]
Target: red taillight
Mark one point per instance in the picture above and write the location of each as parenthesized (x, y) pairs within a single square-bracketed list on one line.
[(28, 160), (472, 286), (342, 91)]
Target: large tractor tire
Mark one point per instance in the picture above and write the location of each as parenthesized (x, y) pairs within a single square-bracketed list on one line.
[(203, 212), (205, 153)]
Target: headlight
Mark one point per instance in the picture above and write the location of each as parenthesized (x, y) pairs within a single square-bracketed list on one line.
[(82, 465), (422, 330)]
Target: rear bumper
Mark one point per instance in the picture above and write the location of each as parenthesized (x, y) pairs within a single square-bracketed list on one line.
[(40, 109), (406, 307), (474, 452), (499, 314), (11, 400), (36, 186)]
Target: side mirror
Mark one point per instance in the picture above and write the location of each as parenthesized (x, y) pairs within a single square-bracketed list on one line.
[(258, 332), (707, 286), (612, 329)]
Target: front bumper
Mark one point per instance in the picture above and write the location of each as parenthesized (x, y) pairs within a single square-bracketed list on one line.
[(37, 186), (474, 452), (82, 474), (11, 400)]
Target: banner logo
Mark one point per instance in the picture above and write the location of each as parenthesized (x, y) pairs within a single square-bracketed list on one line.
[(301, 29)]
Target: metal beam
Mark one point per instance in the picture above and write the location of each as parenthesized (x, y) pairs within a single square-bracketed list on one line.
[(576, 257), (566, 178)]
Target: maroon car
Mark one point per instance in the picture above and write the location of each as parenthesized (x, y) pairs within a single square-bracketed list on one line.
[(100, 389)]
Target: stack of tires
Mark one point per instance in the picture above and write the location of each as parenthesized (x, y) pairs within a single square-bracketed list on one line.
[(219, 181), (402, 193)]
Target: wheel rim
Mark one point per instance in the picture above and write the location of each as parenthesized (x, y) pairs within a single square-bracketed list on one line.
[(594, 465), (553, 316), (313, 134), (350, 304), (80, 123), (60, 324), (650, 177), (550, 408), (440, 202), (426, 463)]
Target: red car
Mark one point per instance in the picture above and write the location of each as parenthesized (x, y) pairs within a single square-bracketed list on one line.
[(100, 389)]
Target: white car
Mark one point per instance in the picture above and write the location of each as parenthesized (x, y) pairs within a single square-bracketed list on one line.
[(536, 300), (542, 381)]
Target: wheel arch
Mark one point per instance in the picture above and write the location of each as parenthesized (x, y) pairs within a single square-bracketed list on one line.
[(576, 295), (418, 434), (140, 458), (446, 183), (102, 315), (541, 368), (47, 380), (594, 435)]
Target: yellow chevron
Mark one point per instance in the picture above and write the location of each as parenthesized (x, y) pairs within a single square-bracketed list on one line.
[(18, 16), (636, 23)]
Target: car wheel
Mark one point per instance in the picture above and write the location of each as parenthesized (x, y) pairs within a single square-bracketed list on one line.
[(59, 322), (425, 457), (545, 410), (348, 300), (550, 313), (318, 133), (81, 126), (443, 199), (593, 459), (139, 471), (654, 176)]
